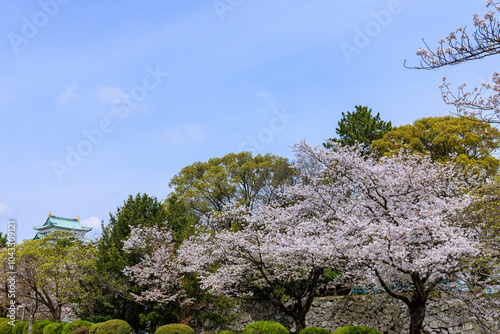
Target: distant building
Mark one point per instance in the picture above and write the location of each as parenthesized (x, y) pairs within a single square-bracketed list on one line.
[(60, 224)]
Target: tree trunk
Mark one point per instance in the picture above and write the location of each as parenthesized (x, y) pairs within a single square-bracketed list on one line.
[(300, 323), (417, 315)]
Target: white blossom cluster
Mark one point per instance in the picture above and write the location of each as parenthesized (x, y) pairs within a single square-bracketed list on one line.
[(381, 221)]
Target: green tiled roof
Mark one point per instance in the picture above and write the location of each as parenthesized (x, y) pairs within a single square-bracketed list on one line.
[(65, 223)]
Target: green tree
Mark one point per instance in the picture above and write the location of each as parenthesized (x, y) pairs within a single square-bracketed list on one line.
[(49, 272), (446, 138), (116, 301), (360, 126), (241, 179), (179, 219)]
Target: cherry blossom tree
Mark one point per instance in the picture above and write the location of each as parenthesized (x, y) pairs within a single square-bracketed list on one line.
[(279, 253), (160, 275), (395, 212), (480, 102)]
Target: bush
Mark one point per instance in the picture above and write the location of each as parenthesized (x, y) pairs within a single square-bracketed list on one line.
[(174, 329), (314, 330), (54, 328), (265, 327), (19, 327), (38, 326), (5, 327), (4, 319), (94, 327), (81, 330), (114, 326), (233, 332), (355, 330), (69, 328)]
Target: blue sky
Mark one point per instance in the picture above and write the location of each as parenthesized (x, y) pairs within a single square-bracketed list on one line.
[(102, 99)]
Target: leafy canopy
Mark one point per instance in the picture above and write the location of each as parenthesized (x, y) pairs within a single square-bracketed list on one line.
[(360, 126), (446, 138)]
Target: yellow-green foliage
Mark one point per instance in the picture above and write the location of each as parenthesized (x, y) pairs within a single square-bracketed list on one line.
[(38, 326), (467, 141), (54, 328), (115, 326), (81, 330), (315, 330), (174, 329), (94, 327), (265, 327), (5, 327), (69, 328), (19, 327), (356, 330)]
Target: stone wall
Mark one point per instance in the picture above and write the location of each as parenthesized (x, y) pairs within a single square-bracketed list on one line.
[(377, 311)]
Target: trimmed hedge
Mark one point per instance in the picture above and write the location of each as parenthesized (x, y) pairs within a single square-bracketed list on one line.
[(54, 328), (174, 329), (115, 326), (5, 327), (38, 326), (81, 330), (70, 327), (94, 327), (265, 327), (356, 330), (314, 330), (19, 327)]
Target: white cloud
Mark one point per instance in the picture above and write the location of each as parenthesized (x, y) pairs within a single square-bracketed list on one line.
[(189, 133), (93, 222), (69, 94), (5, 211), (109, 95), (264, 94)]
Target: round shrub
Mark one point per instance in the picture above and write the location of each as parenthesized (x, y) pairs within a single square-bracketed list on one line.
[(94, 327), (174, 329), (314, 330), (5, 327), (355, 330), (38, 326), (54, 328), (81, 330), (19, 327), (115, 326), (69, 328), (265, 327)]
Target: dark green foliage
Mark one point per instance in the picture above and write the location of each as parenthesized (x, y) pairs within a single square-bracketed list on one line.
[(3, 240), (174, 329), (265, 327), (315, 330), (5, 327), (230, 332), (360, 126), (54, 328), (39, 325), (115, 326), (356, 330), (19, 327), (69, 328), (180, 220), (93, 328), (81, 330)]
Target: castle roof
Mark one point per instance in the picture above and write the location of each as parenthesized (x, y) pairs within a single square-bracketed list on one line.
[(64, 223)]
